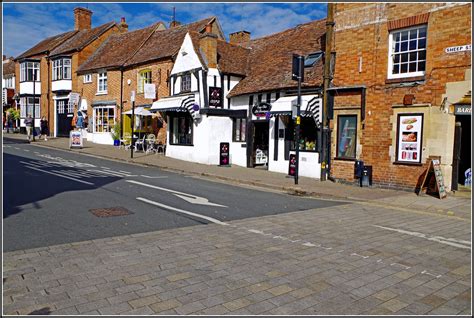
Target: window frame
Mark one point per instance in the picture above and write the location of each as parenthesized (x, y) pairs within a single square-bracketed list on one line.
[(61, 69), (24, 71), (338, 156), (392, 53), (109, 124), (142, 79), (242, 132), (87, 78), (102, 77), (174, 120), (184, 88), (24, 109)]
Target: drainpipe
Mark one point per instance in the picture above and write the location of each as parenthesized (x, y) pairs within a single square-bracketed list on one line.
[(325, 151), (121, 102)]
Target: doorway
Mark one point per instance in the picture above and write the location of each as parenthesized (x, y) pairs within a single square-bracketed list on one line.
[(260, 143), (64, 115), (462, 150)]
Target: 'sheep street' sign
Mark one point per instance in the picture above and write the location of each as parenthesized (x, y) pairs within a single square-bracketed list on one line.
[(455, 49)]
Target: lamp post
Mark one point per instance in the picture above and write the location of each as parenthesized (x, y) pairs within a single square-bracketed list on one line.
[(132, 98), (34, 102)]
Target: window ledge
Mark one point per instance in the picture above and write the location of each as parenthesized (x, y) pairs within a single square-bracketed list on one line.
[(407, 163), (100, 93), (404, 79), (191, 145), (345, 159)]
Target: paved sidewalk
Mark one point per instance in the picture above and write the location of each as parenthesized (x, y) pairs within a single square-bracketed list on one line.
[(452, 205)]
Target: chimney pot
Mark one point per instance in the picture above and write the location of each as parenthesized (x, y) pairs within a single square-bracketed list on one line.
[(123, 25), (82, 19), (122, 20)]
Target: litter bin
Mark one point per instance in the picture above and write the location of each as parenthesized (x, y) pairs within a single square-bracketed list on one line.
[(366, 179), (358, 167)]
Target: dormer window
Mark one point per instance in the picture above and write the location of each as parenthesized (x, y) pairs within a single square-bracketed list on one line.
[(186, 83), (27, 69), (312, 59)]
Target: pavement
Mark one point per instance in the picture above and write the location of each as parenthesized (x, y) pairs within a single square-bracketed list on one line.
[(455, 204), (385, 252)]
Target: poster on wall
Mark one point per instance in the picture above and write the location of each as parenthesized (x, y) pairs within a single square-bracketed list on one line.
[(215, 97), (409, 138)]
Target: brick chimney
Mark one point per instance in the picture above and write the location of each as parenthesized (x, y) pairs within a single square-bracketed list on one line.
[(208, 45), (4, 57), (241, 38), (123, 25), (174, 24), (82, 19)]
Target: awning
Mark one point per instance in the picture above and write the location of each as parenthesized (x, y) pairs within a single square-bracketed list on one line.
[(103, 103), (168, 103), (139, 111), (311, 106)]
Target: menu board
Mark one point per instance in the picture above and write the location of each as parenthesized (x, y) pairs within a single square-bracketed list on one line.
[(433, 181), (409, 137), (292, 165), (75, 139)]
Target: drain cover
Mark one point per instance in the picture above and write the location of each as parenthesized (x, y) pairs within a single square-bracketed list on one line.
[(108, 212)]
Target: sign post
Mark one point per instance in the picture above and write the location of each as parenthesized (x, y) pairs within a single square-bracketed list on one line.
[(132, 98), (298, 74)]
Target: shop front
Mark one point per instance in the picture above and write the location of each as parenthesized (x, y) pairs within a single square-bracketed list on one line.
[(103, 121)]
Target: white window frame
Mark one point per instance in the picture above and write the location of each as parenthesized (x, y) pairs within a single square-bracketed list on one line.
[(110, 119), (184, 84), (9, 82), (87, 78), (61, 69), (102, 78), (27, 65), (391, 49), (23, 108)]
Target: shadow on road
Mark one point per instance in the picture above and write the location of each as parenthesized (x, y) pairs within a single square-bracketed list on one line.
[(22, 185)]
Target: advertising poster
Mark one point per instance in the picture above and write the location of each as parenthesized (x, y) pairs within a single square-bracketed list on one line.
[(75, 139), (292, 165), (224, 154), (215, 97), (409, 137)]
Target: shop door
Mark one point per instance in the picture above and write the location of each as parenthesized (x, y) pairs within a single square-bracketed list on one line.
[(64, 115), (260, 143), (462, 149)]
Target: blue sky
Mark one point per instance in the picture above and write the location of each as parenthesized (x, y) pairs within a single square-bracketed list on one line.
[(25, 24)]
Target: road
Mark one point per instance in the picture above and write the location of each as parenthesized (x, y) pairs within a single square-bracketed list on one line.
[(49, 197)]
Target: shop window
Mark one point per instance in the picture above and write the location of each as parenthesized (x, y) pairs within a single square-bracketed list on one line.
[(407, 52), (26, 107), (144, 77), (104, 119), (181, 130), (308, 134), (346, 136), (186, 83), (239, 129)]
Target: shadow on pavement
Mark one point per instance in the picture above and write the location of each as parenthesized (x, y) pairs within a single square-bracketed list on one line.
[(22, 185), (42, 311)]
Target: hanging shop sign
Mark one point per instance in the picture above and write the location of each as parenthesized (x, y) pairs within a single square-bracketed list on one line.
[(215, 97), (456, 49), (224, 154), (74, 98), (150, 91), (409, 137), (462, 109), (261, 109)]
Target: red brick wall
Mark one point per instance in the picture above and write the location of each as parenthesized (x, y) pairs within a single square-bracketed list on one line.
[(358, 36)]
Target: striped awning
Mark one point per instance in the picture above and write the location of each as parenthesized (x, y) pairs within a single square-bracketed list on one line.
[(177, 104), (311, 106)]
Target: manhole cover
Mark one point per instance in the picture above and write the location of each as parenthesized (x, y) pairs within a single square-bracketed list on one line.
[(107, 212)]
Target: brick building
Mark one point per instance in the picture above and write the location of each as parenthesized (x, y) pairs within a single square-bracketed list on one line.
[(125, 63), (399, 67), (8, 83), (56, 59)]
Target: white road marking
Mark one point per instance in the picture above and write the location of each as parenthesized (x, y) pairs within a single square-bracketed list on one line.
[(158, 177), (212, 220), (26, 150), (127, 172), (115, 174), (439, 239), (60, 175), (185, 196), (309, 244), (16, 148)]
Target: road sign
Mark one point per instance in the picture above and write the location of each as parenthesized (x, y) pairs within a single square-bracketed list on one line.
[(298, 67)]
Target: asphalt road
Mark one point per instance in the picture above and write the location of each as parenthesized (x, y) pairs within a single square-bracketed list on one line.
[(49, 196)]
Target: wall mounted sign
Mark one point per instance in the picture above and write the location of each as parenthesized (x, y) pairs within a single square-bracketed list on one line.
[(409, 137), (150, 91), (224, 154), (261, 109), (74, 98), (462, 109), (215, 97), (456, 49)]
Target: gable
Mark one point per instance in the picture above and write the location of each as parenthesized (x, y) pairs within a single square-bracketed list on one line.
[(187, 58)]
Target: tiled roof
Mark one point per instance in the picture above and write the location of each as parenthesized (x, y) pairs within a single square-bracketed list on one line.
[(9, 68), (116, 49), (166, 43), (81, 39), (232, 58), (46, 45), (270, 59)]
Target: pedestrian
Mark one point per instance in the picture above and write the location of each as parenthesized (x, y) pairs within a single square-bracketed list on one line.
[(5, 120), (74, 119), (44, 128), (29, 126), (10, 123)]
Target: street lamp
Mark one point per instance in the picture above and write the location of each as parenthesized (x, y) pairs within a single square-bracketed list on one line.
[(34, 101), (16, 98)]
